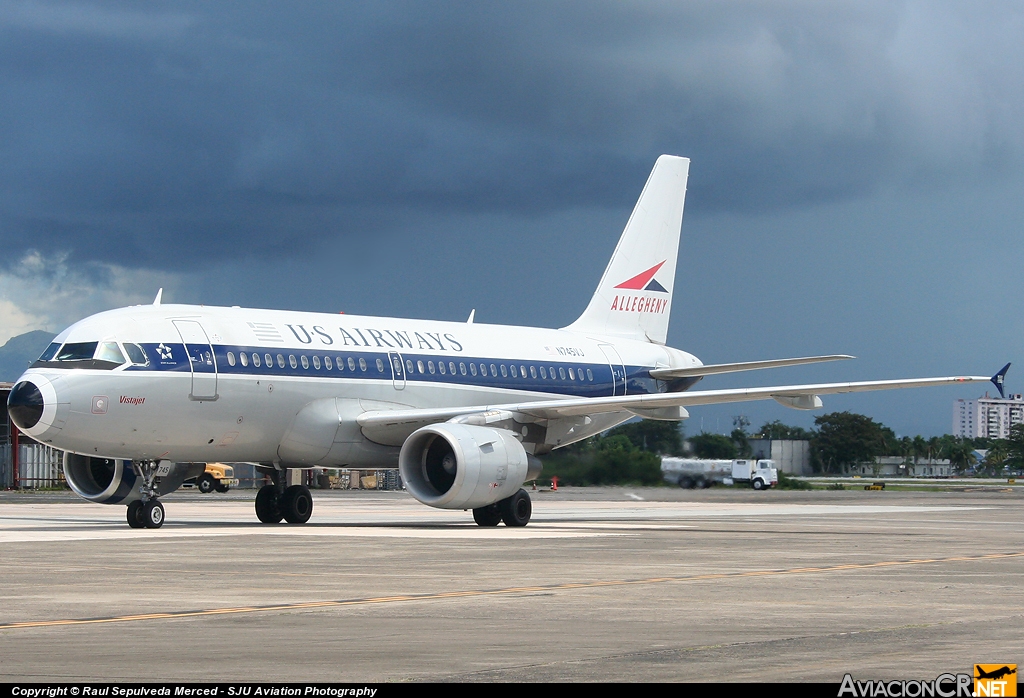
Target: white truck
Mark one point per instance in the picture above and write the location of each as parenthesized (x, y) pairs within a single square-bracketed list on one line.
[(699, 473)]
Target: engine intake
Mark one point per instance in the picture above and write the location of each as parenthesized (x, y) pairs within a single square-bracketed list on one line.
[(110, 481), (460, 466)]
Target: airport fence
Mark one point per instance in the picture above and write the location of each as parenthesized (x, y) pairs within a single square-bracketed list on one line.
[(39, 465)]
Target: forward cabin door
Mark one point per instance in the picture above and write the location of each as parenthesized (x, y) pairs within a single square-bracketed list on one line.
[(618, 370), (201, 358), (397, 370)]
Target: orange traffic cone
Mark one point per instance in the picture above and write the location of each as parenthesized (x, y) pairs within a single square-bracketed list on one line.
[(554, 484)]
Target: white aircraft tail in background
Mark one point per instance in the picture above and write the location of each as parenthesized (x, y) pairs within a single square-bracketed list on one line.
[(634, 298)]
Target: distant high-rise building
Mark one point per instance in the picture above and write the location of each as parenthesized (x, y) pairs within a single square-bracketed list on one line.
[(989, 417)]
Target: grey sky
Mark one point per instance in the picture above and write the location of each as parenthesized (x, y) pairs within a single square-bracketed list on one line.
[(855, 180)]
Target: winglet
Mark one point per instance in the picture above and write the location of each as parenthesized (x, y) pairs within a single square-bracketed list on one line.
[(472, 314), (159, 296), (997, 379)]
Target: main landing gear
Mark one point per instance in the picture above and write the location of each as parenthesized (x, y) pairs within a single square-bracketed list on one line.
[(147, 512), (514, 511), (275, 502)]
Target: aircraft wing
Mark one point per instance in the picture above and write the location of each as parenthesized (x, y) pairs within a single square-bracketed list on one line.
[(796, 396), (711, 369)]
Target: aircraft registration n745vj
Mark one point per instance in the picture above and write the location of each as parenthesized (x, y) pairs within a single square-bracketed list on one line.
[(141, 397)]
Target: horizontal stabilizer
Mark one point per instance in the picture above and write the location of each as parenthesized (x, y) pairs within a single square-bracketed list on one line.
[(998, 379), (711, 369)]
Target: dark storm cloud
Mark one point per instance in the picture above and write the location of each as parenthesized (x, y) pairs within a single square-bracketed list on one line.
[(170, 134)]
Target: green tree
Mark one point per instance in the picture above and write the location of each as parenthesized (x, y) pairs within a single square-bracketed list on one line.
[(713, 446), (845, 439), (664, 438), (961, 454), (1015, 447), (778, 430), (995, 458)]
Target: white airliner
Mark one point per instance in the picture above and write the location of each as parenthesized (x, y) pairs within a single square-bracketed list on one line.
[(141, 397)]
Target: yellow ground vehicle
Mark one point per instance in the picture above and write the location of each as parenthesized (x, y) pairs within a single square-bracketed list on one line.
[(218, 477)]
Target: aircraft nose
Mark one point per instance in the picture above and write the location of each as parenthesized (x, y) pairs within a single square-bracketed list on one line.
[(25, 405)]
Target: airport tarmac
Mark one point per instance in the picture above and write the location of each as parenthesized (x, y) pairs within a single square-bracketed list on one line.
[(605, 584)]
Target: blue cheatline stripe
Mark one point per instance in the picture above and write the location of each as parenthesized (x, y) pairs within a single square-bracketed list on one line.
[(172, 357)]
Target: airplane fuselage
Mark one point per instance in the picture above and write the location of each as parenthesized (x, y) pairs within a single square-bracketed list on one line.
[(224, 384)]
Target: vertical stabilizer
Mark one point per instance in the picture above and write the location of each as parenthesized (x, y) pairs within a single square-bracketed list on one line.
[(634, 297)]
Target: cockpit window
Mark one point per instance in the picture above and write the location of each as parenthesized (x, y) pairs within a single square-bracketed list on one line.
[(77, 351), (50, 352), (109, 351), (136, 353)]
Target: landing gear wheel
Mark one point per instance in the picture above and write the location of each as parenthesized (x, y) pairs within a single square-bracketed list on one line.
[(135, 515), (516, 510), (297, 504), (205, 483), (489, 515), (222, 488), (268, 508), (152, 514)]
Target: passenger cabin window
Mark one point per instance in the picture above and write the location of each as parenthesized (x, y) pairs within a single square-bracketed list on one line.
[(243, 358), (472, 369), (533, 372), (316, 362), (292, 362), (136, 354), (256, 360), (305, 361), (543, 372), (419, 367), (231, 357), (362, 364), (380, 366), (462, 368), (268, 360), (430, 367), (327, 363), (512, 368), (504, 371), (280, 361), (561, 373), (352, 364)]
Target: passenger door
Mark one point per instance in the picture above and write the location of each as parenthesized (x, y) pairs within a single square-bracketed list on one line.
[(201, 357)]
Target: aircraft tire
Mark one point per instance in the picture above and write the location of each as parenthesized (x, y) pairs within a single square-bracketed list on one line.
[(297, 504), (135, 515), (516, 510), (268, 508), (489, 515), (152, 514), (205, 483)]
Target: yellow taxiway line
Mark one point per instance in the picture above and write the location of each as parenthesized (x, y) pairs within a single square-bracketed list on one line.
[(497, 592)]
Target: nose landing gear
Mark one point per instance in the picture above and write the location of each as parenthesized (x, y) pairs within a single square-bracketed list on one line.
[(147, 512)]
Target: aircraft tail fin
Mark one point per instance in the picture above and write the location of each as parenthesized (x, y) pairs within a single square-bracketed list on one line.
[(634, 297)]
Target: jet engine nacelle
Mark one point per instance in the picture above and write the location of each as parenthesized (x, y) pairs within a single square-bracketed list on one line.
[(110, 481), (460, 466)]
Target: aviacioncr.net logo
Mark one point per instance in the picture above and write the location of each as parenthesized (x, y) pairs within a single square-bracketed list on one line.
[(943, 686)]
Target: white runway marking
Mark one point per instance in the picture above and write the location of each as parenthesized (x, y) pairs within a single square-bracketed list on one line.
[(393, 518)]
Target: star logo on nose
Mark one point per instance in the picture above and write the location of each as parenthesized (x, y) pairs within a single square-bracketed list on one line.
[(165, 351)]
